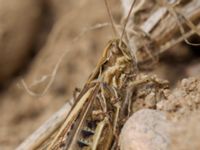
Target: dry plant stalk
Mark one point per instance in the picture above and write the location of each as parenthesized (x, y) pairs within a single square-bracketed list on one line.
[(166, 27), (103, 105)]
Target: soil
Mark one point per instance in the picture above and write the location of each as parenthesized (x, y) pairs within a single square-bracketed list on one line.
[(41, 42)]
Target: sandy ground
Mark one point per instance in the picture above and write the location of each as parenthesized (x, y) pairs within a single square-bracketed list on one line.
[(36, 35)]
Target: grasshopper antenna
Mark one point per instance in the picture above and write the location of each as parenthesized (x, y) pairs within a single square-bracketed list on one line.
[(126, 21), (111, 17)]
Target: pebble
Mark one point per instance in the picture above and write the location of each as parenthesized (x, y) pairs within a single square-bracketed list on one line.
[(146, 130)]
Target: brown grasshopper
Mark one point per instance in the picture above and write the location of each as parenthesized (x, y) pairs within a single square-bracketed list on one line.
[(94, 120), (104, 103)]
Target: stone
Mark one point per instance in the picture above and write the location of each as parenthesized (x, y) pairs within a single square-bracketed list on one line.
[(145, 130)]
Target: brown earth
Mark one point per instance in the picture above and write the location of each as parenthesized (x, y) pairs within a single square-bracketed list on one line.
[(36, 35)]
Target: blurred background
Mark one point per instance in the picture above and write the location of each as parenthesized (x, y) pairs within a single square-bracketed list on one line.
[(48, 47)]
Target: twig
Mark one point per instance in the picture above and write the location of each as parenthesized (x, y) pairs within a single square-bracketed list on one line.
[(46, 130)]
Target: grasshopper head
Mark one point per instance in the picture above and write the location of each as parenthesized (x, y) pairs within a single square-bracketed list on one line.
[(119, 47)]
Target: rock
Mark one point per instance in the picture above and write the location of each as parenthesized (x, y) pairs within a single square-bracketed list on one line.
[(145, 130)]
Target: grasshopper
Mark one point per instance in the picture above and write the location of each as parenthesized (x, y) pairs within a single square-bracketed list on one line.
[(94, 120), (104, 103)]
